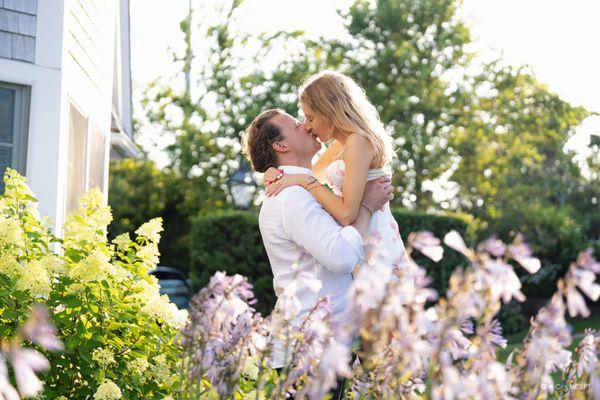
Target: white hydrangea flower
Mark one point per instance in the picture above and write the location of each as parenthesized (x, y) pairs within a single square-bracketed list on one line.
[(103, 356), (151, 230), (34, 279), (108, 391)]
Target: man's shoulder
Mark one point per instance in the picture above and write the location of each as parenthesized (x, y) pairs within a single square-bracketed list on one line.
[(289, 196), (294, 196)]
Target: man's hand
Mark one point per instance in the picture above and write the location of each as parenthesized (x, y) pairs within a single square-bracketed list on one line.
[(378, 192)]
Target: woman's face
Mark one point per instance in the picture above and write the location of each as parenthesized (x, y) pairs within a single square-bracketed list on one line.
[(317, 124)]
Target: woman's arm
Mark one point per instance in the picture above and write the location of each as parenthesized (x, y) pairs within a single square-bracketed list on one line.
[(358, 156), (320, 166), (275, 181)]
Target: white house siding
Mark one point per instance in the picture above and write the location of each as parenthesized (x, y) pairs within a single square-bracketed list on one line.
[(73, 64), (42, 75), (90, 27)]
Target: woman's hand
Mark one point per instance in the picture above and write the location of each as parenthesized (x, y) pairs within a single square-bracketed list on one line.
[(271, 175), (284, 181)]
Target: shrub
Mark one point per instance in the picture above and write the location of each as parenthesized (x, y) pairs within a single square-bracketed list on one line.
[(116, 328), (231, 242)]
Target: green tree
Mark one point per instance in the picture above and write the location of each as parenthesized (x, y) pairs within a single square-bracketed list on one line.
[(401, 52), (511, 144), (223, 93), (513, 171), (136, 193)]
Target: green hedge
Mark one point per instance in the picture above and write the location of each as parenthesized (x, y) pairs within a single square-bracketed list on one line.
[(230, 241)]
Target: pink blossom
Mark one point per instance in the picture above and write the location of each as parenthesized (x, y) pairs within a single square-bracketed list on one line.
[(7, 391), (587, 261), (587, 353), (521, 253), (427, 244), (26, 362), (494, 246), (39, 330), (576, 303), (456, 242)]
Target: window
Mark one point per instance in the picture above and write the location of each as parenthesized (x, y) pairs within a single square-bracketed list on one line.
[(76, 163), (96, 158), (14, 117), (87, 157)]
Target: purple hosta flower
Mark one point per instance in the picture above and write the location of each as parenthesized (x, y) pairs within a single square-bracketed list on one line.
[(334, 363), (427, 244), (491, 383), (310, 340), (454, 385), (456, 242), (25, 363), (586, 281), (575, 302), (587, 261), (521, 253), (220, 284), (456, 345), (465, 294), (493, 246), (580, 275), (220, 334), (490, 336), (467, 326), (545, 351), (588, 354), (39, 330), (7, 391), (369, 286), (501, 280)]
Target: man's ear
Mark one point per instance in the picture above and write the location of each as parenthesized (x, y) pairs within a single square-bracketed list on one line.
[(280, 147)]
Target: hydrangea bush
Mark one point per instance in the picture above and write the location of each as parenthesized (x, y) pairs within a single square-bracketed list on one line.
[(118, 331)]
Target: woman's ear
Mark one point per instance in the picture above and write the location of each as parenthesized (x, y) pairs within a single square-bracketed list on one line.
[(280, 147)]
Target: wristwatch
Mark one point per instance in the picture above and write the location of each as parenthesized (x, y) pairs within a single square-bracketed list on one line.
[(308, 182)]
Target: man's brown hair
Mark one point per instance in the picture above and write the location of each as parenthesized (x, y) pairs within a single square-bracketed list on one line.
[(259, 138)]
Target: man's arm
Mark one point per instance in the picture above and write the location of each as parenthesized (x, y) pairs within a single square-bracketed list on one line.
[(309, 225), (338, 248)]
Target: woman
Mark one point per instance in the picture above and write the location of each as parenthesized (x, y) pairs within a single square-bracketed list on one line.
[(338, 112)]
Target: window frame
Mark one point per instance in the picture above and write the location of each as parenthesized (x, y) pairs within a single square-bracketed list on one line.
[(20, 137)]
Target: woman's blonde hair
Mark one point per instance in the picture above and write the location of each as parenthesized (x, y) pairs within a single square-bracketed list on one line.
[(344, 104)]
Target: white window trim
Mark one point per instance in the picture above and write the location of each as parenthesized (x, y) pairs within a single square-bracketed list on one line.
[(21, 130)]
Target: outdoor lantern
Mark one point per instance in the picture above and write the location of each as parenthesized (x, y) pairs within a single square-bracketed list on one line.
[(242, 186)]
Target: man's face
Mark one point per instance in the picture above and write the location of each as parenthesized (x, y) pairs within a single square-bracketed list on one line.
[(298, 140), (317, 124)]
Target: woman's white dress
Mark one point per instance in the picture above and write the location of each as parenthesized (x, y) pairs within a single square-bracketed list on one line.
[(384, 250)]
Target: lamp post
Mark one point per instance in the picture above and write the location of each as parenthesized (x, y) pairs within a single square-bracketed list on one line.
[(242, 186)]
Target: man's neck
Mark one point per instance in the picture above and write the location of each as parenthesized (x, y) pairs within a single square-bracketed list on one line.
[(296, 163)]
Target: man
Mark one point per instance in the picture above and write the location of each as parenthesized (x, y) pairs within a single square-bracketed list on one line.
[(300, 237)]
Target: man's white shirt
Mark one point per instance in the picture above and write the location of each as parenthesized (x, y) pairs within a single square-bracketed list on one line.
[(302, 239)]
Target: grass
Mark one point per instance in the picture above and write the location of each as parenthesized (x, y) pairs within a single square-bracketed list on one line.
[(515, 340)]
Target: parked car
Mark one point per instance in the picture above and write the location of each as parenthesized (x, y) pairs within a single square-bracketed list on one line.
[(174, 284)]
